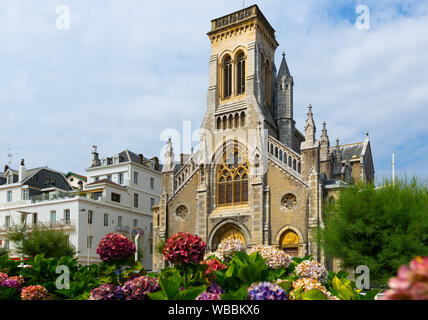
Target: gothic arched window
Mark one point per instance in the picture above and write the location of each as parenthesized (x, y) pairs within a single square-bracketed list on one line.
[(227, 73), (232, 180), (240, 72)]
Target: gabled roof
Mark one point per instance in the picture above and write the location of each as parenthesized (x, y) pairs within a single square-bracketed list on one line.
[(350, 151), (77, 176), (104, 181)]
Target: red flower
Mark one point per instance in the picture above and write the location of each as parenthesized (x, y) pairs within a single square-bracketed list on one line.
[(115, 246), (213, 265), (184, 248)]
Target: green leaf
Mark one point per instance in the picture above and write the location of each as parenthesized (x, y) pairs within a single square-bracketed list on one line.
[(191, 293), (158, 295), (171, 286), (240, 294), (314, 294), (286, 285), (336, 283)]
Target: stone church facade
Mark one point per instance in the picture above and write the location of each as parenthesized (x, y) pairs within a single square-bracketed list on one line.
[(255, 177)]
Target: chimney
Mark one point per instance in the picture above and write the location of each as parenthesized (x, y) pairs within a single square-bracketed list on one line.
[(181, 159), (6, 167), (22, 171), (156, 160), (140, 159), (95, 159)]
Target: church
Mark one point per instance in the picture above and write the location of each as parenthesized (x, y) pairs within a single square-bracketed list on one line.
[(255, 177)]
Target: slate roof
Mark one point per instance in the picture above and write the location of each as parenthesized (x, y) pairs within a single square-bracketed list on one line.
[(129, 156), (350, 151), (283, 69)]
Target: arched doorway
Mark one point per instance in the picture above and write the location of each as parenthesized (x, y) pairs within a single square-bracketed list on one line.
[(227, 231), (290, 243)]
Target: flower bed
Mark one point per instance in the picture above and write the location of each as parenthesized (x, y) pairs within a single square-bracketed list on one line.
[(232, 272)]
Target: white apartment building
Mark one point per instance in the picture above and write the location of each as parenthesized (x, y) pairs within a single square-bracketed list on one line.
[(118, 198)]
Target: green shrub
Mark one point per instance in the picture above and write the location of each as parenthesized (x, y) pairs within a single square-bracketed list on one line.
[(382, 228)]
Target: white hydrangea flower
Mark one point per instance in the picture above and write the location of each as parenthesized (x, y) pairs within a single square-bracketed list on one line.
[(312, 269), (275, 258), (308, 284), (228, 247)]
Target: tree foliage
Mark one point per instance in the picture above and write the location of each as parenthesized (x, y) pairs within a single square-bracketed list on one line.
[(40, 239), (382, 228)]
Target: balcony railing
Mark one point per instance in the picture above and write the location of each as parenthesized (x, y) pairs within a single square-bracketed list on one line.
[(61, 196), (122, 229), (58, 225)]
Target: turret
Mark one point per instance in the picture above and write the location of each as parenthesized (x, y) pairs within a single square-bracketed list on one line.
[(310, 148), (284, 114)]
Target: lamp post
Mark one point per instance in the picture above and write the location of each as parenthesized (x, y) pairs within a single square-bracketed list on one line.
[(87, 238)]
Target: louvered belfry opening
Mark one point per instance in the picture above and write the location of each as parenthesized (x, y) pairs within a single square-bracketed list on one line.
[(241, 74), (227, 77)]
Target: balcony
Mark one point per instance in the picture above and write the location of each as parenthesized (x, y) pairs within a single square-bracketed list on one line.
[(59, 225), (122, 229)]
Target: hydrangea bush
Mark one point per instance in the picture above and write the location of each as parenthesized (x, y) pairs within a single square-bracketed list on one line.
[(228, 247), (115, 246), (107, 292), (137, 287), (312, 269), (34, 293), (266, 291), (275, 258), (411, 282), (184, 248)]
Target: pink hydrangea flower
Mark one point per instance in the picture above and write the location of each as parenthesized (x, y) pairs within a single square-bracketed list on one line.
[(411, 282), (115, 246), (3, 276), (184, 248), (34, 293)]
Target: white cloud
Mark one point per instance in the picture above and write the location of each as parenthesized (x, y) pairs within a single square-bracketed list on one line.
[(126, 70)]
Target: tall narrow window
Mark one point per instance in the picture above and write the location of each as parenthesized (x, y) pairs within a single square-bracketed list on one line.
[(135, 200), (227, 72), (241, 74), (90, 216), (53, 217), (67, 216), (233, 180), (105, 219)]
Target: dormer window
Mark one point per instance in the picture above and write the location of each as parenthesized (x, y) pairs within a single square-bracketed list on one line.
[(116, 160), (104, 161)]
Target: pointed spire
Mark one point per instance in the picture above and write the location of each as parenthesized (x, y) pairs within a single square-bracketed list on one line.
[(310, 128), (325, 143), (283, 69), (324, 135), (169, 156)]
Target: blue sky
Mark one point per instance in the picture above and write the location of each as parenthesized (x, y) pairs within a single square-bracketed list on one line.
[(126, 70)]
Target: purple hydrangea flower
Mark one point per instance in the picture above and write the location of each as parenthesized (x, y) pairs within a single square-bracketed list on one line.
[(208, 296), (215, 288), (266, 291), (137, 287), (107, 292)]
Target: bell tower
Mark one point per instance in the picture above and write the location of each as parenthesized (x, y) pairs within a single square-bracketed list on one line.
[(242, 66)]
